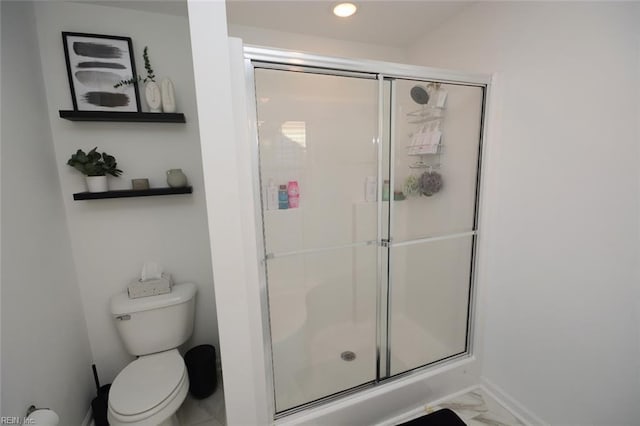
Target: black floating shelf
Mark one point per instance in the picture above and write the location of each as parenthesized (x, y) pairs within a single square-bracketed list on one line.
[(125, 193), (147, 117)]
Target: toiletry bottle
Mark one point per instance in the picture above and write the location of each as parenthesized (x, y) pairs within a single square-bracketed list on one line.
[(370, 189), (283, 197), (272, 196), (293, 192), (385, 191)]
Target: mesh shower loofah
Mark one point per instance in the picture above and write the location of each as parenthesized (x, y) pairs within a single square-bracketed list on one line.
[(430, 183)]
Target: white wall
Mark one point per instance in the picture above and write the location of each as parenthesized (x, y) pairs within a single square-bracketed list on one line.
[(46, 359), (318, 45), (112, 238), (231, 212), (561, 328)]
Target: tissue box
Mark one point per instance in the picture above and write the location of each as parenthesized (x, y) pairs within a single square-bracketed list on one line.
[(140, 288)]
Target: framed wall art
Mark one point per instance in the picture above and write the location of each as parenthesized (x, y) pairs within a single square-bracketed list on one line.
[(95, 64)]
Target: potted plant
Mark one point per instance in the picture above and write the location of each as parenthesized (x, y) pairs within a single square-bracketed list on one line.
[(95, 167)]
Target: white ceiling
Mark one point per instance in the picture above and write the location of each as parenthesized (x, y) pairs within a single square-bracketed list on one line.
[(387, 22), (167, 7)]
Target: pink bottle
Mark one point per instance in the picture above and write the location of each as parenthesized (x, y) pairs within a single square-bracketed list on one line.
[(294, 194)]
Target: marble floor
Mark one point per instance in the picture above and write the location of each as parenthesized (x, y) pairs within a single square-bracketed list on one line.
[(477, 408), (204, 412)]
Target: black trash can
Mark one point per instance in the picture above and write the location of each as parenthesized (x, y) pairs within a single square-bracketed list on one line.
[(201, 367), (100, 405)]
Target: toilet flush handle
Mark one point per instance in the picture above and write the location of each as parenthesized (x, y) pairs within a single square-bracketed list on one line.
[(123, 317)]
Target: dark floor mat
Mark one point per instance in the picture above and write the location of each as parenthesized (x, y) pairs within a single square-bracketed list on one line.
[(444, 417)]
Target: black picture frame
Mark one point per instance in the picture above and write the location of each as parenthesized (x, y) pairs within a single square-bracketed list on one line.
[(95, 63)]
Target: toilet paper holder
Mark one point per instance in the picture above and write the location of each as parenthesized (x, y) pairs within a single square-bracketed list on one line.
[(33, 408), (40, 416)]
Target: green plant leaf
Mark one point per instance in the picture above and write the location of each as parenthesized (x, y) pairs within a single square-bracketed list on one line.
[(94, 164), (147, 65)]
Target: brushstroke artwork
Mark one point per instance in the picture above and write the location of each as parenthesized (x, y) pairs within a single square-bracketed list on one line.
[(95, 63)]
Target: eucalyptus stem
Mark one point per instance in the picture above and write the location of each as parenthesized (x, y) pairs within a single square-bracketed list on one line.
[(136, 79), (147, 65)]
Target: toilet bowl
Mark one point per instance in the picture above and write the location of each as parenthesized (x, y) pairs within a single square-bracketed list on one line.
[(150, 389)]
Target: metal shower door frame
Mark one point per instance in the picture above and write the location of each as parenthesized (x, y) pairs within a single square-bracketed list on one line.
[(260, 57)]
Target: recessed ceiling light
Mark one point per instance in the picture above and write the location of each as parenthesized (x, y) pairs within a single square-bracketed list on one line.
[(344, 10)]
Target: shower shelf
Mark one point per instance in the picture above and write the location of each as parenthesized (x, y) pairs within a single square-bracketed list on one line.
[(118, 116), (439, 151), (423, 165), (426, 109), (423, 120), (425, 115)]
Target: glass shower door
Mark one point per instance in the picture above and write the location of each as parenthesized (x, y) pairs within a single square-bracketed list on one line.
[(318, 148), (434, 174)]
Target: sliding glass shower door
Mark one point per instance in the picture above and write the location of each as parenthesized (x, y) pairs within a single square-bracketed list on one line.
[(435, 150), (368, 188), (317, 142)]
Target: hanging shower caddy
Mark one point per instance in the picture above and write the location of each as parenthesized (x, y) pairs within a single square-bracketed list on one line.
[(425, 142)]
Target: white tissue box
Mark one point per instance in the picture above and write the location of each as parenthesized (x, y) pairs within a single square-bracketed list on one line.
[(139, 288)]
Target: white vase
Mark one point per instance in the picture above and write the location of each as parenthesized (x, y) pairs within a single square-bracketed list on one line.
[(176, 179), (97, 184), (153, 96), (168, 95)]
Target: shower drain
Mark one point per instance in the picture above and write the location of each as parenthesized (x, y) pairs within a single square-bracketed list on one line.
[(348, 356)]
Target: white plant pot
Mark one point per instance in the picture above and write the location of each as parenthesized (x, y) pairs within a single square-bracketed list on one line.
[(97, 184)]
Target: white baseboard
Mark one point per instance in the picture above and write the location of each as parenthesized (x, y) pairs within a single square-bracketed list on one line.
[(88, 419), (511, 404)]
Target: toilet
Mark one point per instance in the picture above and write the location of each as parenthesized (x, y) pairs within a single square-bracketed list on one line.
[(149, 390)]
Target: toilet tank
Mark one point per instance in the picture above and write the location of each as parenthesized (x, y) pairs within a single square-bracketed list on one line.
[(156, 323)]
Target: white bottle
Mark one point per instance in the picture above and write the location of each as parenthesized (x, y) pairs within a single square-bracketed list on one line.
[(370, 189), (272, 196)]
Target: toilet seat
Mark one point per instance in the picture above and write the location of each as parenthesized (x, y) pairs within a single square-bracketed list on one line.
[(148, 390)]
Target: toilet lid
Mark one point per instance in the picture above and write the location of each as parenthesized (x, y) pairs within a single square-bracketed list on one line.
[(146, 382)]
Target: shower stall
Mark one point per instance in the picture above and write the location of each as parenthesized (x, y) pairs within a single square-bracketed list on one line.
[(367, 175)]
